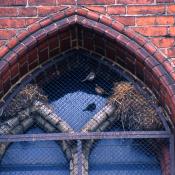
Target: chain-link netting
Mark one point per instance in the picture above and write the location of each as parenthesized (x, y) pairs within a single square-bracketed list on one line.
[(101, 157), (79, 94), (126, 156)]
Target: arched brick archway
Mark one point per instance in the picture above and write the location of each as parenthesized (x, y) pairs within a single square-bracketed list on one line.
[(79, 28)]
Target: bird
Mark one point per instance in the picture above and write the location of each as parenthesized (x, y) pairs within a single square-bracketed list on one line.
[(91, 107), (90, 77), (99, 90)]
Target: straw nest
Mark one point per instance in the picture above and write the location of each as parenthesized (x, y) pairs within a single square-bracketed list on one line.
[(24, 99), (133, 109)]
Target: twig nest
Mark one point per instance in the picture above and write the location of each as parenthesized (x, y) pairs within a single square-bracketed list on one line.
[(24, 99), (133, 109)]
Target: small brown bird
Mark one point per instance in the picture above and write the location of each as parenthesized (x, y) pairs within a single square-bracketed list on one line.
[(99, 90)]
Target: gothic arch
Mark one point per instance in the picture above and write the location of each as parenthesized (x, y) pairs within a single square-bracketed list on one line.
[(79, 28)]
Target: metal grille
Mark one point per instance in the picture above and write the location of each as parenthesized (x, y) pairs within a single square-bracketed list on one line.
[(125, 156), (90, 128)]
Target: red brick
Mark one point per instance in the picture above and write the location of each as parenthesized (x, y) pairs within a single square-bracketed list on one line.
[(139, 39), (160, 20), (12, 23), (7, 2), (165, 20), (7, 34), (13, 42), (11, 58), (117, 26), (151, 62), (13, 2), (122, 39), (42, 46), (105, 20), (116, 10), (3, 51), (40, 35), (53, 43), (28, 12), (134, 1), (93, 15), (100, 9), (20, 49), (172, 31), (97, 2), (51, 30), (70, 11), (2, 43), (22, 60), (59, 16), (42, 2), (14, 70), (151, 31), (159, 71), (34, 27), (168, 66), (31, 21), (164, 1), (29, 42), (159, 57), (142, 55), (8, 12), (150, 48), (135, 10), (43, 56), (21, 2), (4, 67), (23, 34), (45, 22), (171, 52), (36, 63), (109, 33), (127, 21), (171, 9), (46, 10), (65, 2), (32, 55), (163, 42)]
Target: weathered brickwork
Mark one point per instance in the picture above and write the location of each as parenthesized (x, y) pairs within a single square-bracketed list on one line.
[(153, 19)]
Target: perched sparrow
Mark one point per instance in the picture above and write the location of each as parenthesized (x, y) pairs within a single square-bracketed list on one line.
[(99, 90), (91, 107), (90, 77)]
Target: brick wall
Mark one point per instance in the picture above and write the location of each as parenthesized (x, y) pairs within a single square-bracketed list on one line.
[(153, 19)]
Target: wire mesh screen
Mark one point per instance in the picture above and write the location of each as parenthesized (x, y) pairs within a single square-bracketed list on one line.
[(125, 156), (83, 100), (106, 156), (34, 158)]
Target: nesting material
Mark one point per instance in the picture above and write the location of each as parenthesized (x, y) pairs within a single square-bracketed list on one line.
[(133, 109), (24, 99)]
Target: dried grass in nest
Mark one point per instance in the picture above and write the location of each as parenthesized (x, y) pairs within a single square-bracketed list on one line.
[(133, 109), (24, 99)]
